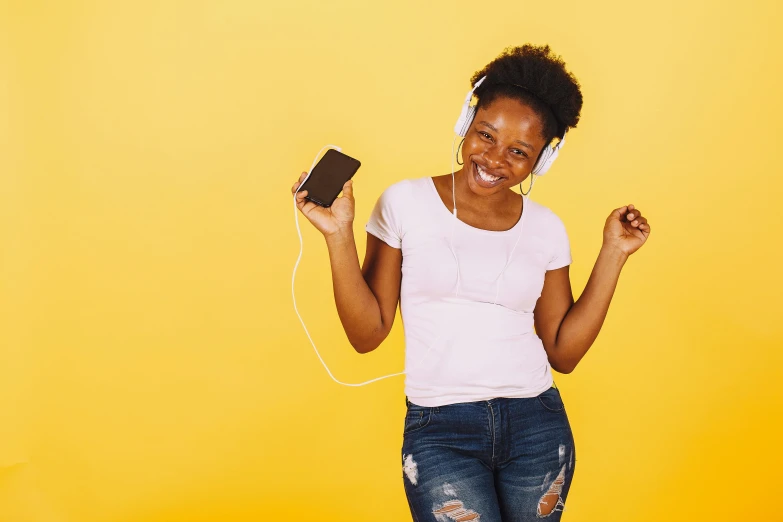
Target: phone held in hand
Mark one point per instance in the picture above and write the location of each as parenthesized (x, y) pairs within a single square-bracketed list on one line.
[(328, 177)]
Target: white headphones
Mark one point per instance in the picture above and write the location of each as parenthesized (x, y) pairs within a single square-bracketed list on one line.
[(545, 160)]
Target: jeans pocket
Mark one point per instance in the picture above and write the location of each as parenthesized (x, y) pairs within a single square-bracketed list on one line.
[(551, 401), (416, 418)]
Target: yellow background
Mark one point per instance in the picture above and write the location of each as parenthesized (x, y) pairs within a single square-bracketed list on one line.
[(152, 367)]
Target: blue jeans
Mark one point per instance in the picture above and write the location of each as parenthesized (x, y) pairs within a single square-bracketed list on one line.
[(501, 460)]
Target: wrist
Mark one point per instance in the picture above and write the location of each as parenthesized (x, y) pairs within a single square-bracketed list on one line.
[(613, 254), (341, 236)]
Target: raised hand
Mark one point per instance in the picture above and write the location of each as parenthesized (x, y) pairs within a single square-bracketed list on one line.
[(329, 220), (626, 230)]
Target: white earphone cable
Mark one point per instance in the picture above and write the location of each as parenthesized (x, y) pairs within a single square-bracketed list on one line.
[(293, 292), (454, 222)]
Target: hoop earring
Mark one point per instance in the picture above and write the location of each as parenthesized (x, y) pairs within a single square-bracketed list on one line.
[(532, 180), (458, 149)]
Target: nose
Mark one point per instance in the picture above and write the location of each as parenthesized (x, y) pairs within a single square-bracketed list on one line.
[(493, 156)]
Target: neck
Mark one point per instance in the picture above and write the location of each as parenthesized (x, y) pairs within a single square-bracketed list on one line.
[(466, 198)]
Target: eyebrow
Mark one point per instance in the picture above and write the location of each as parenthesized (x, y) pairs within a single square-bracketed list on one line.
[(515, 141)]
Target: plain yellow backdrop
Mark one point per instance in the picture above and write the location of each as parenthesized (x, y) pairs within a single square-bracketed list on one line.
[(151, 365)]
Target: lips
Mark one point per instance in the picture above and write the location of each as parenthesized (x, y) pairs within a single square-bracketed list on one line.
[(483, 178)]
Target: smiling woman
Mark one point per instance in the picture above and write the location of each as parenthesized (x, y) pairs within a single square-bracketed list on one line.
[(485, 298)]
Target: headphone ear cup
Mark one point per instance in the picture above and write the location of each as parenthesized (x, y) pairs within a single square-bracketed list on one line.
[(548, 156), (468, 111), (464, 121)]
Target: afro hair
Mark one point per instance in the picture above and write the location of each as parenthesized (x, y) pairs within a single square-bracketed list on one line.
[(538, 78)]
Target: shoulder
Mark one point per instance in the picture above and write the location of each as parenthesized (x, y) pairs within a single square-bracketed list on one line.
[(545, 217), (406, 186), (403, 191), (395, 212)]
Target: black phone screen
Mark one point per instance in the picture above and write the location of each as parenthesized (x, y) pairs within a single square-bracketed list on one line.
[(328, 177)]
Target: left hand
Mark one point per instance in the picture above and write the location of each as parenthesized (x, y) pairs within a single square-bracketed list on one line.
[(626, 230)]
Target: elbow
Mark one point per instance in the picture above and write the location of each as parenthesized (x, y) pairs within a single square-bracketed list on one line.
[(564, 367), (363, 347), (369, 343), (564, 358), (365, 336)]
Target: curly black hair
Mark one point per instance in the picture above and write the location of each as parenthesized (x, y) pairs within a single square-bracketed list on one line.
[(538, 78)]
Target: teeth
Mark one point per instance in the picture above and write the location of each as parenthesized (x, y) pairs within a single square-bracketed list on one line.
[(486, 177)]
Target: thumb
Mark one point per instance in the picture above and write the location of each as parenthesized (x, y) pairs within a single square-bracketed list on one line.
[(348, 189), (618, 213)]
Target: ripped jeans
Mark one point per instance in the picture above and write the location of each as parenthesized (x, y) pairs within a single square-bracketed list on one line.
[(501, 460)]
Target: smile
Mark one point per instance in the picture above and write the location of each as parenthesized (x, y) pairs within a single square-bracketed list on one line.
[(484, 178)]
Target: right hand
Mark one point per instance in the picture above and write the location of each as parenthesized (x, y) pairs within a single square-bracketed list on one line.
[(328, 220)]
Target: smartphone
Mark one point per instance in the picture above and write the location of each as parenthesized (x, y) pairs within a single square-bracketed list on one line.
[(328, 177)]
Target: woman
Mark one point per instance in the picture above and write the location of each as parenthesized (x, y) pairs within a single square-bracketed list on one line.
[(486, 435)]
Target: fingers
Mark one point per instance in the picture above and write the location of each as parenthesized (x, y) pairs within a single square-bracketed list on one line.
[(296, 185), (632, 215), (619, 212), (635, 218), (305, 206), (300, 196)]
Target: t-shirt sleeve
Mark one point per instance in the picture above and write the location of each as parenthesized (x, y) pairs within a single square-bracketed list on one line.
[(561, 247), (385, 220)]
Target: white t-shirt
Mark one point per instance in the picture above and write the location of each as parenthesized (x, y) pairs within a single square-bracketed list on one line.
[(469, 338)]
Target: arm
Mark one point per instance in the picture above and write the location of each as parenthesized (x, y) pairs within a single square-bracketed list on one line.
[(366, 298), (568, 329)]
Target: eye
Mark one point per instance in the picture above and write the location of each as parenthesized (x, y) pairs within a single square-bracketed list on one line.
[(485, 134), (519, 153)]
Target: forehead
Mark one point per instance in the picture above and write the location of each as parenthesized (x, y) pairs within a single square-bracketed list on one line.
[(512, 116)]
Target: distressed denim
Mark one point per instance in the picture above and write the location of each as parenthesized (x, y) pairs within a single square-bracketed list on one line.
[(509, 460)]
